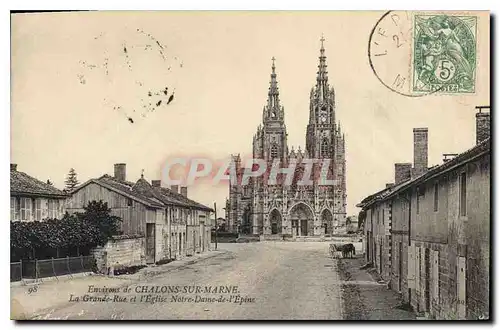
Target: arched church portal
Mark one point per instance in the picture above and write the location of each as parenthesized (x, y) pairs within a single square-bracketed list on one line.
[(302, 220), (327, 222), (276, 222)]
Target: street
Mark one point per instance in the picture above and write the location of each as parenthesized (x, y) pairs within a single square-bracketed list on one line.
[(265, 280)]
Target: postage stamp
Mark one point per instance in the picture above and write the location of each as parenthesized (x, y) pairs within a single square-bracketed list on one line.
[(444, 53)]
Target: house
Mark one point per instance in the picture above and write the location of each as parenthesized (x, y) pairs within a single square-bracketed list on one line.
[(428, 234), (32, 199), (189, 220), (157, 223)]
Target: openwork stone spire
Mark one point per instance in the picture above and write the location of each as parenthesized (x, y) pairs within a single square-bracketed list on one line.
[(322, 78), (273, 100)]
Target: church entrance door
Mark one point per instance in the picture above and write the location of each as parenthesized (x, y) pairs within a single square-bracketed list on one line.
[(303, 227), (302, 216), (275, 218)]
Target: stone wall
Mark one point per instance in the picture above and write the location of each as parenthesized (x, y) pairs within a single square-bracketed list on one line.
[(120, 251)]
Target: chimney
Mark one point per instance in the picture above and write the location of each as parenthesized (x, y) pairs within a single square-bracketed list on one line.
[(184, 191), (402, 172), (121, 171), (175, 189), (389, 185), (156, 183), (482, 124), (420, 147), (13, 167)]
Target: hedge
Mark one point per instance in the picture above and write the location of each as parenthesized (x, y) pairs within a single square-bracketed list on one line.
[(89, 229)]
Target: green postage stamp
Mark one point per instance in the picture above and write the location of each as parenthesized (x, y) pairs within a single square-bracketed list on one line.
[(444, 53)]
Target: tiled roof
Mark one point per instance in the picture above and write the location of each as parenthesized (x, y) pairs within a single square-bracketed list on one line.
[(145, 193), (144, 187), (477, 150), (22, 183), (127, 188), (166, 195), (183, 200)]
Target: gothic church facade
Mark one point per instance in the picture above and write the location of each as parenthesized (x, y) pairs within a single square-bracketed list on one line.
[(261, 208)]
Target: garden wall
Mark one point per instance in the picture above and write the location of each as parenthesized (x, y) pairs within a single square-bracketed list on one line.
[(120, 252)]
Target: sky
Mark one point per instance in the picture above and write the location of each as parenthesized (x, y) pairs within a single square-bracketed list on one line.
[(88, 90)]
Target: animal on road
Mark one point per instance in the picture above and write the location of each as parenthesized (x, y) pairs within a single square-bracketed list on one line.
[(342, 250), (336, 250), (348, 251)]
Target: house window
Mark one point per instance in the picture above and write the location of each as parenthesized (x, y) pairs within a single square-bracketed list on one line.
[(463, 194), (26, 209), (37, 209), (436, 197), (52, 206), (14, 209), (383, 216)]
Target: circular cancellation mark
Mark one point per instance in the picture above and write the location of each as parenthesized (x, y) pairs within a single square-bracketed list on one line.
[(390, 52)]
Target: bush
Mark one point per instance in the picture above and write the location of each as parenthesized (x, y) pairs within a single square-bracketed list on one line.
[(80, 230)]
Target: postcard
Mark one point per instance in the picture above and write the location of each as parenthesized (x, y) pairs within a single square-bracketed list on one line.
[(250, 165)]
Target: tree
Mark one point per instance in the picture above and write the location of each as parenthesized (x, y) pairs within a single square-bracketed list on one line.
[(99, 214), (49, 182), (71, 181)]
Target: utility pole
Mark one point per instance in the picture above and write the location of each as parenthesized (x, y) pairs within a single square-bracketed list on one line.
[(216, 225)]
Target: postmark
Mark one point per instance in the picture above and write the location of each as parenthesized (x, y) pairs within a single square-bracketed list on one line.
[(444, 50), (389, 51), (417, 54)]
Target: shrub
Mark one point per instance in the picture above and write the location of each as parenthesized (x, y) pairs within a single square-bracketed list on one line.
[(86, 230)]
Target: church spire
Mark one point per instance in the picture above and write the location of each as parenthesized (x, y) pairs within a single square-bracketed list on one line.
[(322, 78), (273, 95), (273, 110)]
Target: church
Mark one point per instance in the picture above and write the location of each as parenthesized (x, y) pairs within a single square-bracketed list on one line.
[(277, 210)]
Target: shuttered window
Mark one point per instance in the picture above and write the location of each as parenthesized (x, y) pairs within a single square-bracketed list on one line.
[(53, 205), (14, 214), (26, 209), (38, 209)]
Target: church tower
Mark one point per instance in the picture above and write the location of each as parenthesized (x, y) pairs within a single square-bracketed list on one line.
[(325, 140), (270, 141), (320, 136)]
